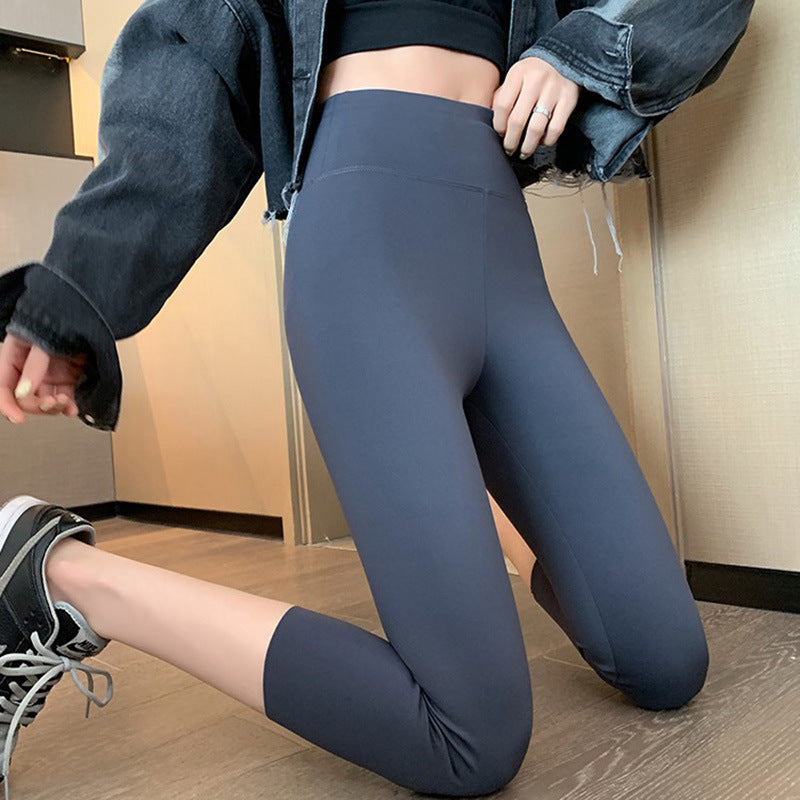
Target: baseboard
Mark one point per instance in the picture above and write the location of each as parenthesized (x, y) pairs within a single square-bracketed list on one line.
[(754, 587), (178, 517), (96, 511)]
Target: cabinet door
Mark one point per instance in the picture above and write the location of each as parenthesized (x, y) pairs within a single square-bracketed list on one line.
[(59, 459)]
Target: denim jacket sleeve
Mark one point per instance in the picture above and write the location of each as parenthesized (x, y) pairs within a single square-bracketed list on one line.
[(179, 152), (645, 56)]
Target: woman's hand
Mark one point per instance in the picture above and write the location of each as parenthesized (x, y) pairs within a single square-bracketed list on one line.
[(33, 381), (532, 82)]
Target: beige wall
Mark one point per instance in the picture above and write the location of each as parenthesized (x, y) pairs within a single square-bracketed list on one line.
[(728, 168), (611, 316), (589, 304), (642, 318), (203, 420), (697, 347)]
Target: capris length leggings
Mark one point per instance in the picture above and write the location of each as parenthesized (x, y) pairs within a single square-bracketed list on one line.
[(433, 365)]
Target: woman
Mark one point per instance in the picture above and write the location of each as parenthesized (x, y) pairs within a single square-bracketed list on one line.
[(433, 364)]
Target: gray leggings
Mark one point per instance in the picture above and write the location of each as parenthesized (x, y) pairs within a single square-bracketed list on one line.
[(433, 365)]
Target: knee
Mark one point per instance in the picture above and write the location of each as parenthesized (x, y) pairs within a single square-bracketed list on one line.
[(497, 750), (671, 676)]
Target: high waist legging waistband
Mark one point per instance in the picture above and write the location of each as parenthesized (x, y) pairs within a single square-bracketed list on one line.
[(433, 364), (388, 129)]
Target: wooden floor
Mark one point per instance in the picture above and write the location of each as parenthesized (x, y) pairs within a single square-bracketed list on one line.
[(167, 735)]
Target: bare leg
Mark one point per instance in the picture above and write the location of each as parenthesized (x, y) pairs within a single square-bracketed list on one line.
[(516, 549), (124, 600), (171, 616)]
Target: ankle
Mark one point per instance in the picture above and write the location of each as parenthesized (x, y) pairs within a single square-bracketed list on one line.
[(86, 578), (66, 569)]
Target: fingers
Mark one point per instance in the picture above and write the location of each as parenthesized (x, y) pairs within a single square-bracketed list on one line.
[(559, 114), (33, 374), (32, 381), (12, 357), (57, 399), (503, 103), (536, 121), (529, 83), (57, 392)]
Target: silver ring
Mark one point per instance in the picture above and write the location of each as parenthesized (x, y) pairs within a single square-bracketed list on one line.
[(542, 110)]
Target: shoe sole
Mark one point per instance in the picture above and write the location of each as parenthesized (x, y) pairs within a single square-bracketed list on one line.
[(11, 511)]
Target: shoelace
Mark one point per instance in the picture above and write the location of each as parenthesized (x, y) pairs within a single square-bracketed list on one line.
[(23, 704)]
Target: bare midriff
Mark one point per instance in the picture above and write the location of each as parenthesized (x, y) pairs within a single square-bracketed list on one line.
[(413, 68)]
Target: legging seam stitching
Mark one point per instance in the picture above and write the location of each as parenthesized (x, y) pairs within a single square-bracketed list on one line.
[(558, 526), (404, 174)]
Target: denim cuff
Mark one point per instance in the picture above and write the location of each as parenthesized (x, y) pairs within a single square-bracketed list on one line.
[(591, 51), (37, 304)]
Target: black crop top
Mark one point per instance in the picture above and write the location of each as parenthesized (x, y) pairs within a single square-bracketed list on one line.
[(479, 27)]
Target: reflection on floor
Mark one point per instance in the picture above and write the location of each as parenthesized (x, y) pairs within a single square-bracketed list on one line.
[(347, 543)]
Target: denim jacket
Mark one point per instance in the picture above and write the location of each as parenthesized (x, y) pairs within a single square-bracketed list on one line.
[(200, 98)]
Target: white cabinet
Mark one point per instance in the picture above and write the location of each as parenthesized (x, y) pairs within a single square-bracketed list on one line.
[(52, 26)]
